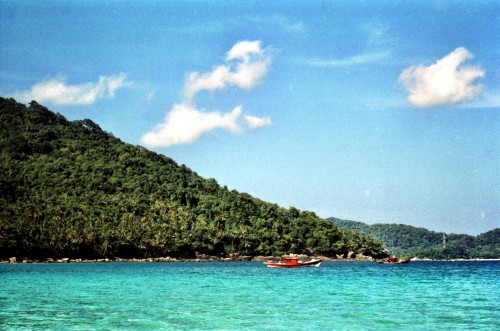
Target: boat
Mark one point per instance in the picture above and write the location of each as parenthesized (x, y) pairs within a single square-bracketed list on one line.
[(394, 260), (293, 262)]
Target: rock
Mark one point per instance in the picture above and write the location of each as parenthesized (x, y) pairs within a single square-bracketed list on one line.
[(361, 257), (245, 258), (421, 259), (162, 259), (13, 259), (325, 258), (261, 258)]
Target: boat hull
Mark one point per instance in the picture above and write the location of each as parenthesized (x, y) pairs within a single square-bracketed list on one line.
[(394, 262), (313, 263)]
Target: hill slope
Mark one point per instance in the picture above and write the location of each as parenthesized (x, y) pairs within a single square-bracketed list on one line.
[(69, 189), (406, 240)]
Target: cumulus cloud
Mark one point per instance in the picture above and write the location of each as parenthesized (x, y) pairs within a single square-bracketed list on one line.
[(349, 61), (246, 65), (257, 122), (445, 82), (185, 124), (57, 91)]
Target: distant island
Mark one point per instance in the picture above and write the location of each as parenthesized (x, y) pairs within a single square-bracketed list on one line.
[(410, 241), (70, 191)]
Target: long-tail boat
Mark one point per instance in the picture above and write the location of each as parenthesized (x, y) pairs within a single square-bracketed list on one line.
[(394, 260), (293, 262)]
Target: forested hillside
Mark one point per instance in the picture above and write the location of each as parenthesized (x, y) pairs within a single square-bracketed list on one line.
[(70, 189), (409, 241)]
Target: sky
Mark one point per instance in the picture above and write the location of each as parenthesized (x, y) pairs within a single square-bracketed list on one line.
[(378, 112)]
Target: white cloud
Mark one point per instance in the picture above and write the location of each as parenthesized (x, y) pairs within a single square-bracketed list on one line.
[(488, 99), (246, 65), (185, 124), (275, 22), (244, 49), (57, 92), (349, 61), (445, 82), (150, 96), (257, 122), (217, 79), (377, 45)]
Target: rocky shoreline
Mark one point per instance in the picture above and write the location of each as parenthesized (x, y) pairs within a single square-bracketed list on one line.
[(211, 259), (351, 257)]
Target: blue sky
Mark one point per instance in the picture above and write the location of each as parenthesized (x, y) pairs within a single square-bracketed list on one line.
[(375, 112)]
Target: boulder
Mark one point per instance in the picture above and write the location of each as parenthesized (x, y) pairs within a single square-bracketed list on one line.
[(361, 257)]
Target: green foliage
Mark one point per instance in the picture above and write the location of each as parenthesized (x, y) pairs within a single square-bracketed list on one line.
[(409, 241), (70, 189)]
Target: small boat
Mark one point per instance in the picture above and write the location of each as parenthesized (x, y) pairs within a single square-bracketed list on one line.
[(393, 260), (293, 262)]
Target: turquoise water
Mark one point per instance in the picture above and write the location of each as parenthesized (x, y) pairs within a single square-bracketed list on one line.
[(250, 296)]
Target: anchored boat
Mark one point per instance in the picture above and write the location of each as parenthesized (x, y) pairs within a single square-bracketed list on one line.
[(393, 260), (293, 262)]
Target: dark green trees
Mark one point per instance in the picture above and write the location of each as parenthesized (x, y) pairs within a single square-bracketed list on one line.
[(409, 241)]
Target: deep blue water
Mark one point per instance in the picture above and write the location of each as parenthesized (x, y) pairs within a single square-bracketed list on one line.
[(250, 296)]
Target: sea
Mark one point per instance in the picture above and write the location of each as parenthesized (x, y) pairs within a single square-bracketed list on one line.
[(250, 296)]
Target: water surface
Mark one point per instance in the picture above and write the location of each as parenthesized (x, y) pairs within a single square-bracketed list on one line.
[(250, 296)]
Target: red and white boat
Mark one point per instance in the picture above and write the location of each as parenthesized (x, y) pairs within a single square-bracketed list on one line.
[(393, 260), (293, 262)]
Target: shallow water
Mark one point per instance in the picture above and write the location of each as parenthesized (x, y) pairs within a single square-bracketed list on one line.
[(250, 296)]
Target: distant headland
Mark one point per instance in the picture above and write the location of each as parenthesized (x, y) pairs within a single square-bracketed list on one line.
[(410, 241)]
